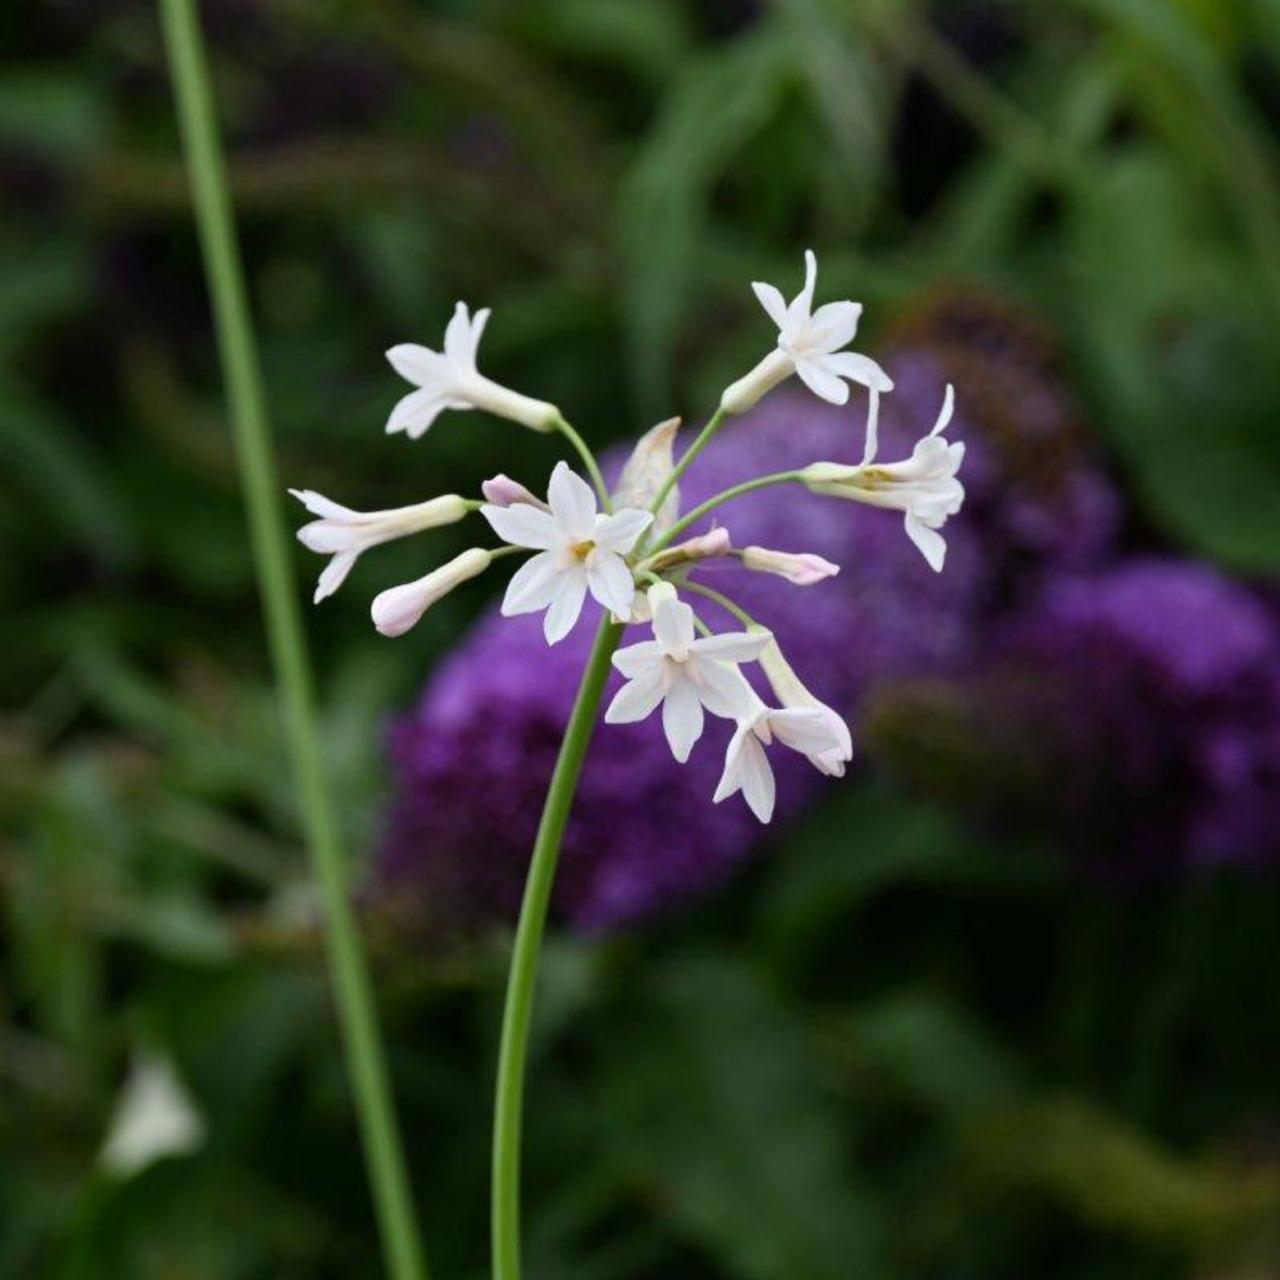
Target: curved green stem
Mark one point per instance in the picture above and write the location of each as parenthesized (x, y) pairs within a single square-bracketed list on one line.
[(714, 424), (348, 968), (705, 508), (588, 460), (718, 597), (513, 1054)]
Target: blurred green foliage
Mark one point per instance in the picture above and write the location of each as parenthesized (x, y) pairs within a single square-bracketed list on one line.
[(889, 1050)]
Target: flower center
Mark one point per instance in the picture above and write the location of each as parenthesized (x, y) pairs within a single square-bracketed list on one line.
[(582, 550)]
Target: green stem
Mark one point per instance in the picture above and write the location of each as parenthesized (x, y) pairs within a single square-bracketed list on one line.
[(705, 508), (588, 460), (718, 597), (513, 1054), (271, 548), (703, 439)]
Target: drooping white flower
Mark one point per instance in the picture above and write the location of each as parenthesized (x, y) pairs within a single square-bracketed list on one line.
[(746, 766), (790, 691), (810, 345), (924, 487), (579, 550), (343, 533), (449, 379), (683, 673), (154, 1118), (801, 568), (398, 609), (503, 491)]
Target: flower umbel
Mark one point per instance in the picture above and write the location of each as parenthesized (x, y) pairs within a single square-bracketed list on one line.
[(810, 345), (450, 380), (682, 673), (924, 487), (579, 550)]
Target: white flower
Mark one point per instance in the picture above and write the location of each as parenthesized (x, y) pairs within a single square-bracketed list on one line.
[(579, 549), (803, 569), (450, 380), (343, 533), (809, 344), (746, 766), (925, 487), (154, 1118), (685, 674), (790, 691), (399, 608)]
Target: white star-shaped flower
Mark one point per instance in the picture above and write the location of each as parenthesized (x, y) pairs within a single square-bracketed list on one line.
[(924, 487), (790, 691), (683, 673), (746, 766), (343, 533), (450, 380), (810, 344), (579, 550)]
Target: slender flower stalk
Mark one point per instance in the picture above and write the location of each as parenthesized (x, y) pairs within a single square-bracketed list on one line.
[(384, 1155), (727, 495), (514, 1050)]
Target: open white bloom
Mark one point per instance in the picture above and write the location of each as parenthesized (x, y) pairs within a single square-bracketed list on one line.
[(802, 568), (810, 345), (925, 486), (154, 1118), (746, 766), (579, 550), (343, 533), (399, 608), (683, 673), (791, 692), (450, 380)]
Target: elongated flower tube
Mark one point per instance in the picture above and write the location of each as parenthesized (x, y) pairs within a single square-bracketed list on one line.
[(398, 609), (801, 569), (502, 491), (809, 345), (449, 379), (924, 487), (343, 533)]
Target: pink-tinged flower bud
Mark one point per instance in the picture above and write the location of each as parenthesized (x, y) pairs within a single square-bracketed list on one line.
[(503, 491), (705, 546), (803, 569), (398, 609)]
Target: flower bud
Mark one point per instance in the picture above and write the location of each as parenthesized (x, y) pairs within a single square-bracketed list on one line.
[(502, 491), (706, 546), (398, 609), (802, 569)]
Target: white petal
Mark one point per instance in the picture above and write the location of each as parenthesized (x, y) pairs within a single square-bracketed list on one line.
[(944, 414), (802, 304), (772, 301), (722, 688), (682, 718), (532, 586), (563, 612), (462, 336), (823, 383), (731, 776), (610, 582), (619, 531), (805, 729), (873, 429), (733, 646), (673, 625), (414, 413), (858, 368), (334, 574), (637, 698), (419, 365), (324, 507), (758, 786), (636, 657), (573, 503), (523, 526), (833, 325), (931, 543)]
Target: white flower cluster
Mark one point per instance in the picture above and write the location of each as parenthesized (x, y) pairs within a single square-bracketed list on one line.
[(623, 551)]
